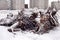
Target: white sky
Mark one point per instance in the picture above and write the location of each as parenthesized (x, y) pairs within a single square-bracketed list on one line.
[(26, 1)]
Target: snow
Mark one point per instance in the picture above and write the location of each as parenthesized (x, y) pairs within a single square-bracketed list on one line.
[(21, 35), (4, 34)]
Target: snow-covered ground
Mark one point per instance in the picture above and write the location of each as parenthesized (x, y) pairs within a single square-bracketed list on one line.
[(5, 35)]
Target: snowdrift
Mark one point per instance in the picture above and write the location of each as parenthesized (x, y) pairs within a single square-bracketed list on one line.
[(5, 35)]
